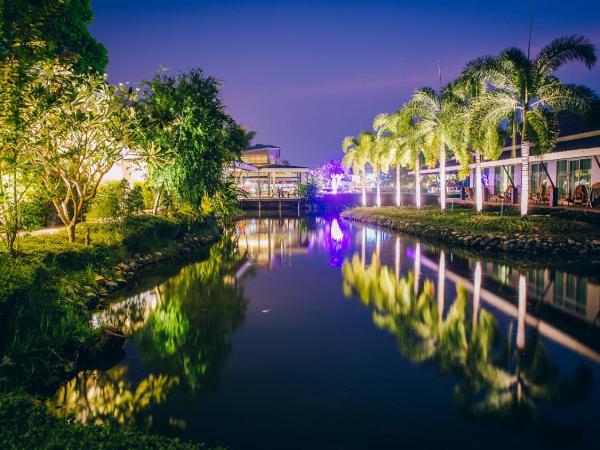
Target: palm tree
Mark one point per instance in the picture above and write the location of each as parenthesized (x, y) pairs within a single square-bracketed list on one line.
[(440, 122), (526, 92), (485, 141), (357, 149), (380, 154)]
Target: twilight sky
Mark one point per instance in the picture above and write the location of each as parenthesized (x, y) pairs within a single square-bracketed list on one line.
[(304, 74)]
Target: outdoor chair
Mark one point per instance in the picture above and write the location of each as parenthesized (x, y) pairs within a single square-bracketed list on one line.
[(578, 197), (536, 195), (546, 195)]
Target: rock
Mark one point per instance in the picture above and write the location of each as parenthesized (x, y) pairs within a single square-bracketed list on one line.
[(111, 285), (121, 281)]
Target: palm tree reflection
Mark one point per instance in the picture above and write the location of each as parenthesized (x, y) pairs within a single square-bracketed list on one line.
[(496, 381)]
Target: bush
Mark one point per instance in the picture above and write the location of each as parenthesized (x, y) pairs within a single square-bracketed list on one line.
[(110, 201)]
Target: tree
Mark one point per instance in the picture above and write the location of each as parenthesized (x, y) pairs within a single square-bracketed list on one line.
[(527, 93), (59, 27), (189, 139), (380, 156), (330, 174), (356, 151), (440, 123), (85, 128)]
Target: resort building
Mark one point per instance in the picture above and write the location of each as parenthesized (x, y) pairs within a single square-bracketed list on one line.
[(568, 175), (261, 173)]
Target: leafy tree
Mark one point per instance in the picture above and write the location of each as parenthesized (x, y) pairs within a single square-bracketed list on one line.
[(189, 139), (86, 127), (527, 94), (440, 122), (357, 150), (59, 28)]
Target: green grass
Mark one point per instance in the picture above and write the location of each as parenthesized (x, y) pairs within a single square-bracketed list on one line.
[(46, 324), (26, 424), (559, 224)]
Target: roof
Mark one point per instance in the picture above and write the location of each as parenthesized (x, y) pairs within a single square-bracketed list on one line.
[(282, 166), (261, 147)]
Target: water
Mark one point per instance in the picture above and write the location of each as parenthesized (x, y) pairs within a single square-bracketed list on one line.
[(339, 336)]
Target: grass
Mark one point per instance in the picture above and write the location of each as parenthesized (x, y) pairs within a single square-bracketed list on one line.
[(46, 323), (542, 235), (26, 424)]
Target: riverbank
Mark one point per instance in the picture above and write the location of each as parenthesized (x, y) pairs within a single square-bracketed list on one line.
[(47, 295), (555, 237)]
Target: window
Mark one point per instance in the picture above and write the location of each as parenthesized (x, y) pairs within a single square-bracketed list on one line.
[(501, 178), (572, 173), (537, 176)]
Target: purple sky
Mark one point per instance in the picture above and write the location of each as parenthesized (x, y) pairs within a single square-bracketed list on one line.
[(305, 74)]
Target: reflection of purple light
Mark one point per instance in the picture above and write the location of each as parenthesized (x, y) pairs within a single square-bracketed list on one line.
[(410, 252), (336, 232)]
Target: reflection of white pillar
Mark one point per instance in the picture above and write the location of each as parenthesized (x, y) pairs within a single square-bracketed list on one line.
[(524, 178), (441, 284), (363, 246), (397, 258), (476, 293), (417, 267), (522, 312), (377, 242)]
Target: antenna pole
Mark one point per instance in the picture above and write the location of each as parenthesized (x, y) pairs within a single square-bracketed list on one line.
[(530, 29)]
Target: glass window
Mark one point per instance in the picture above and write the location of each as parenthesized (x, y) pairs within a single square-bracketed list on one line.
[(571, 174), (538, 176)]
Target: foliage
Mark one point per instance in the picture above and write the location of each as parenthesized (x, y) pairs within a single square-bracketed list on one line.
[(189, 139), (309, 190), (115, 200), (84, 128), (58, 28), (329, 174), (27, 424)]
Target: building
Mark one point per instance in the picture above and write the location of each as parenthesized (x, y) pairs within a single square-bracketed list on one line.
[(575, 161), (260, 174)]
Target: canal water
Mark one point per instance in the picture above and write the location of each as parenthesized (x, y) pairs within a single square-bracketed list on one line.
[(316, 333)]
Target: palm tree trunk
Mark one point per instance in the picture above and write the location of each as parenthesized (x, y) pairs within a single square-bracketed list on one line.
[(418, 183), (378, 186), (364, 190), (478, 184), (443, 177), (398, 202), (524, 178)]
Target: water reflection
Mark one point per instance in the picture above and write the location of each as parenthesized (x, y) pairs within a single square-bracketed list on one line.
[(496, 379), (181, 331), (512, 347)]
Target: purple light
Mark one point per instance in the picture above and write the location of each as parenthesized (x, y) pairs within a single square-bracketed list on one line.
[(336, 232)]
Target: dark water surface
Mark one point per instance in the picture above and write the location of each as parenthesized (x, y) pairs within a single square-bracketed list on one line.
[(318, 333)]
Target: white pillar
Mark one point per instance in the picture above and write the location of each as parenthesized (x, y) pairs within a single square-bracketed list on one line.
[(478, 183), (418, 183), (398, 202), (524, 178), (443, 177)]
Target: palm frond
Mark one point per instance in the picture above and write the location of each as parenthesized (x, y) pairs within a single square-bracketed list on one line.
[(566, 49)]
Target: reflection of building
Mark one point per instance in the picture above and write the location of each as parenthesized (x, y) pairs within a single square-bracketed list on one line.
[(270, 241), (261, 175)]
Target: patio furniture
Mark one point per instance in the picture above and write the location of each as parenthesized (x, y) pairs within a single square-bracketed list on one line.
[(595, 193), (546, 195), (578, 196), (536, 195)]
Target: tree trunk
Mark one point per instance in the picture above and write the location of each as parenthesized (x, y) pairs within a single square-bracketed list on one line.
[(524, 178), (71, 231), (478, 184), (156, 203), (378, 183), (417, 183), (443, 177), (398, 202), (364, 191)]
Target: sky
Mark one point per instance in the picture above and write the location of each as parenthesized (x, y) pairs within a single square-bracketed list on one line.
[(305, 74)]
